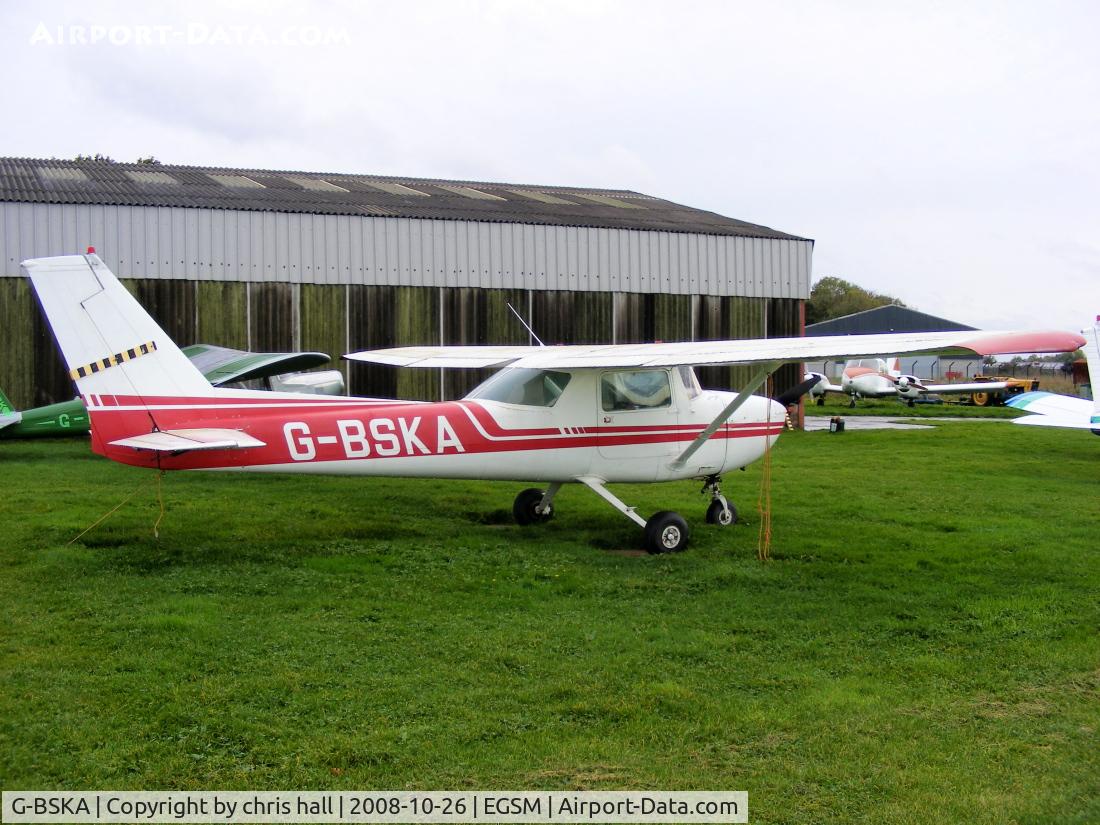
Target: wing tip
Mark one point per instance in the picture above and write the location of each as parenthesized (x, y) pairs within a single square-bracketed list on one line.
[(1000, 343)]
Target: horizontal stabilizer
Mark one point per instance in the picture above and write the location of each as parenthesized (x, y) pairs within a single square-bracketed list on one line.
[(7, 419), (178, 441)]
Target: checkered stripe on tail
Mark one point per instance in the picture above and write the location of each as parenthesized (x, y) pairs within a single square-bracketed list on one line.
[(113, 360)]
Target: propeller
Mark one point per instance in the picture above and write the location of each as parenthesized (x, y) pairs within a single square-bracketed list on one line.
[(904, 381), (794, 393)]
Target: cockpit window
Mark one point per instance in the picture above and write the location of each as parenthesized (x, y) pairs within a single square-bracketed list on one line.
[(690, 382), (635, 390), (526, 387)]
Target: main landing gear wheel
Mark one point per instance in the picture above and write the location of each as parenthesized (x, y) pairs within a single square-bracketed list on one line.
[(666, 532), (722, 515), (526, 507)]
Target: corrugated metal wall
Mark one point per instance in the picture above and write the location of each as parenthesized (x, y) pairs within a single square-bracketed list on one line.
[(338, 319), (261, 247)]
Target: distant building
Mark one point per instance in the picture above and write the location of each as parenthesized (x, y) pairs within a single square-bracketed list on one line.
[(894, 318), (266, 260)]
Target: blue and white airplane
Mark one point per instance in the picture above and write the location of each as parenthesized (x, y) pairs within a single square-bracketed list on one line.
[(1051, 410)]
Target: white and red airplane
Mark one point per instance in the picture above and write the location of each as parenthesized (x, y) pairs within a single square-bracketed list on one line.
[(565, 414), (883, 378)]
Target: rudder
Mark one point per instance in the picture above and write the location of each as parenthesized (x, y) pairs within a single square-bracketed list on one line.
[(110, 344)]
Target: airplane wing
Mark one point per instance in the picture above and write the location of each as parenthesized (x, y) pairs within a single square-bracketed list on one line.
[(221, 365), (460, 357), (974, 386), (706, 353), (824, 385)]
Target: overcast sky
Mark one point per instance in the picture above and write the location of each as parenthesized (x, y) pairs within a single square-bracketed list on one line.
[(945, 153)]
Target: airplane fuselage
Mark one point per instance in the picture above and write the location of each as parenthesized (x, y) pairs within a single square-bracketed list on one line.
[(473, 438)]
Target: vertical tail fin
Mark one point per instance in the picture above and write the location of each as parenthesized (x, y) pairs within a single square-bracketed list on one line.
[(110, 344), (5, 404)]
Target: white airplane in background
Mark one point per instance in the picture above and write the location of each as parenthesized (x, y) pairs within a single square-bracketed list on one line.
[(591, 415), (1051, 410), (883, 378)]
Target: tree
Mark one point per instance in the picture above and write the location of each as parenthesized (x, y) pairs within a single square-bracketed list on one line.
[(833, 297), (101, 158)]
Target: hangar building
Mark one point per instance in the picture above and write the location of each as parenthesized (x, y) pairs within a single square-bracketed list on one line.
[(268, 260), (894, 318)]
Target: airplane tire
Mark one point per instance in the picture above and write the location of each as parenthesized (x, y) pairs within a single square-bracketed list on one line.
[(525, 511), (717, 514), (821, 401), (666, 532)]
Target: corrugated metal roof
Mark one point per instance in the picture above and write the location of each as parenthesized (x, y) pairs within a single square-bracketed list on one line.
[(889, 318), (30, 180)]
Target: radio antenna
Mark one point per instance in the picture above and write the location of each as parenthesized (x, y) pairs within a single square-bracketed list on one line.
[(526, 326)]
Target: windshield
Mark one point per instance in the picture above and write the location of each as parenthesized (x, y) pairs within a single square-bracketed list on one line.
[(527, 387)]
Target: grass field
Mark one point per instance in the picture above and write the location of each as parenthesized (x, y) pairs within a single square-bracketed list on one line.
[(923, 647)]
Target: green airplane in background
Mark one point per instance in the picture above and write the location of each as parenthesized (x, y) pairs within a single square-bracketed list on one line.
[(219, 365), (66, 418)]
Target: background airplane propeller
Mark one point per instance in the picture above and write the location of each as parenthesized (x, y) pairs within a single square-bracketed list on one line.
[(792, 395)]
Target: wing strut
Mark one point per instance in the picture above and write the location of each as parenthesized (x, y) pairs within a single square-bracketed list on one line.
[(754, 384)]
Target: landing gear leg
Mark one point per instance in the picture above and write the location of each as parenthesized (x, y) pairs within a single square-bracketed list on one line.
[(852, 402), (720, 511), (665, 532)]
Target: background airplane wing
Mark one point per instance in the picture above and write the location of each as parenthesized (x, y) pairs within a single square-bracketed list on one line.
[(221, 365), (824, 385), (705, 353), (974, 386)]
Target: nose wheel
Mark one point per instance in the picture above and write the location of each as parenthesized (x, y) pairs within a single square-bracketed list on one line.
[(720, 511)]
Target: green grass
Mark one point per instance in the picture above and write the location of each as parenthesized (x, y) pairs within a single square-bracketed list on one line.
[(923, 646)]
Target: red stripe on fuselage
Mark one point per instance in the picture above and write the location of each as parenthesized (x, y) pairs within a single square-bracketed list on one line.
[(339, 432)]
